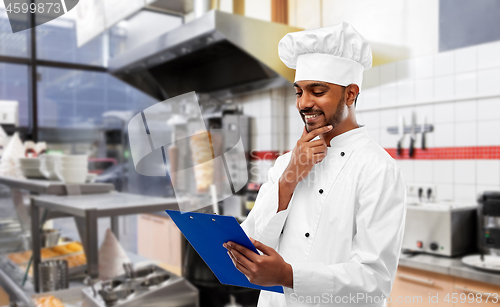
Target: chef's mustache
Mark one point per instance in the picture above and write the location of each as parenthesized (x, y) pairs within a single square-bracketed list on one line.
[(310, 111)]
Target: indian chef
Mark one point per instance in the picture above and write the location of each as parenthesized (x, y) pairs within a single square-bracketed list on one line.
[(329, 221)]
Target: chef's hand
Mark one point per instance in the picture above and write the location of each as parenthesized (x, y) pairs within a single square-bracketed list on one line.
[(265, 270), (304, 156)]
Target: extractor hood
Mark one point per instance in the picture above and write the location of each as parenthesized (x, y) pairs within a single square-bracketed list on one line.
[(218, 53)]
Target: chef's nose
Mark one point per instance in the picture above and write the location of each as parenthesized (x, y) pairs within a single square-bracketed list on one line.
[(306, 101)]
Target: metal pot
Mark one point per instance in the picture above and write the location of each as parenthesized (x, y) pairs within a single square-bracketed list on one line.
[(49, 237)]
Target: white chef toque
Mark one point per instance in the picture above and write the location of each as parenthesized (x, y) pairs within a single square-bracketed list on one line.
[(337, 54)]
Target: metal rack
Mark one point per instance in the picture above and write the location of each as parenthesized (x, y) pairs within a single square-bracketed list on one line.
[(46, 187), (86, 209)]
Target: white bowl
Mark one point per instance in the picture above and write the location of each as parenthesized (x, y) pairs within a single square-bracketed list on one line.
[(32, 172), (71, 175), (74, 158), (91, 177), (29, 161), (48, 167), (74, 164)]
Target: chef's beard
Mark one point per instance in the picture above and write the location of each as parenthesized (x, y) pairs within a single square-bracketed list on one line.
[(333, 120)]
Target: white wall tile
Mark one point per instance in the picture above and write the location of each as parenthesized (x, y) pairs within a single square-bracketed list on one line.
[(488, 55), (443, 171), (466, 59), (444, 192), (480, 189), (407, 167), (292, 140), (444, 87), (444, 112), (374, 134), (371, 119), (424, 89), (263, 125), (388, 94), (263, 142), (488, 133), (406, 112), (360, 116), (465, 171), (274, 142), (444, 63), (405, 91), (488, 172), (251, 108), (424, 67), (466, 84), (361, 104), (388, 117), (388, 73), (465, 193), (444, 135), (423, 171), (488, 108), (466, 134), (265, 103), (406, 70), (371, 78), (371, 97), (388, 140), (488, 81), (425, 111), (465, 110)]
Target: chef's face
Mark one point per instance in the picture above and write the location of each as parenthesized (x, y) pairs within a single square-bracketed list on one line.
[(320, 103)]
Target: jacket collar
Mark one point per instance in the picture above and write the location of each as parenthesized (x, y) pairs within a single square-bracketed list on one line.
[(348, 139)]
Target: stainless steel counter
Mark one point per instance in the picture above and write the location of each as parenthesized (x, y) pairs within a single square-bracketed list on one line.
[(447, 266)]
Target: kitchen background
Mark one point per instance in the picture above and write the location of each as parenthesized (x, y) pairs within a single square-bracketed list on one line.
[(435, 63)]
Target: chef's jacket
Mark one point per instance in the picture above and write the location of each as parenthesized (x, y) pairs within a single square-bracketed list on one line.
[(343, 228)]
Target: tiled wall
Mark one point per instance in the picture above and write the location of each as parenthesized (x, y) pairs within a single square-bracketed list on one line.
[(459, 93), (266, 117)]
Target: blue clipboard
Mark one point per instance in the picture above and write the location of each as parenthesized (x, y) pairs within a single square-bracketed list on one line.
[(206, 233)]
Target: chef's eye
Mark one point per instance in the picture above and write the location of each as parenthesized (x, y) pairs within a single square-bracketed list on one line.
[(319, 93), (298, 94)]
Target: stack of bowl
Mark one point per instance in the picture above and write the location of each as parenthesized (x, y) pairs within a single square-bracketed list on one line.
[(31, 167), (72, 168), (48, 164)]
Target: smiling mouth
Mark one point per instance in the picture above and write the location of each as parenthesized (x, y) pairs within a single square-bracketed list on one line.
[(311, 116)]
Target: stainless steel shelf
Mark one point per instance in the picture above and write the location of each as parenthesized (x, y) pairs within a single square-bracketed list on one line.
[(54, 187), (109, 204), (86, 209)]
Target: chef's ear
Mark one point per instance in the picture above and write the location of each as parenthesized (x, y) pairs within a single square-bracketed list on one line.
[(351, 93)]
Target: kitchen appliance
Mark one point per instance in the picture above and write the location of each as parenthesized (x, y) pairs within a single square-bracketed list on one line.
[(219, 53), (488, 234), (446, 229), (489, 223), (146, 287)]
